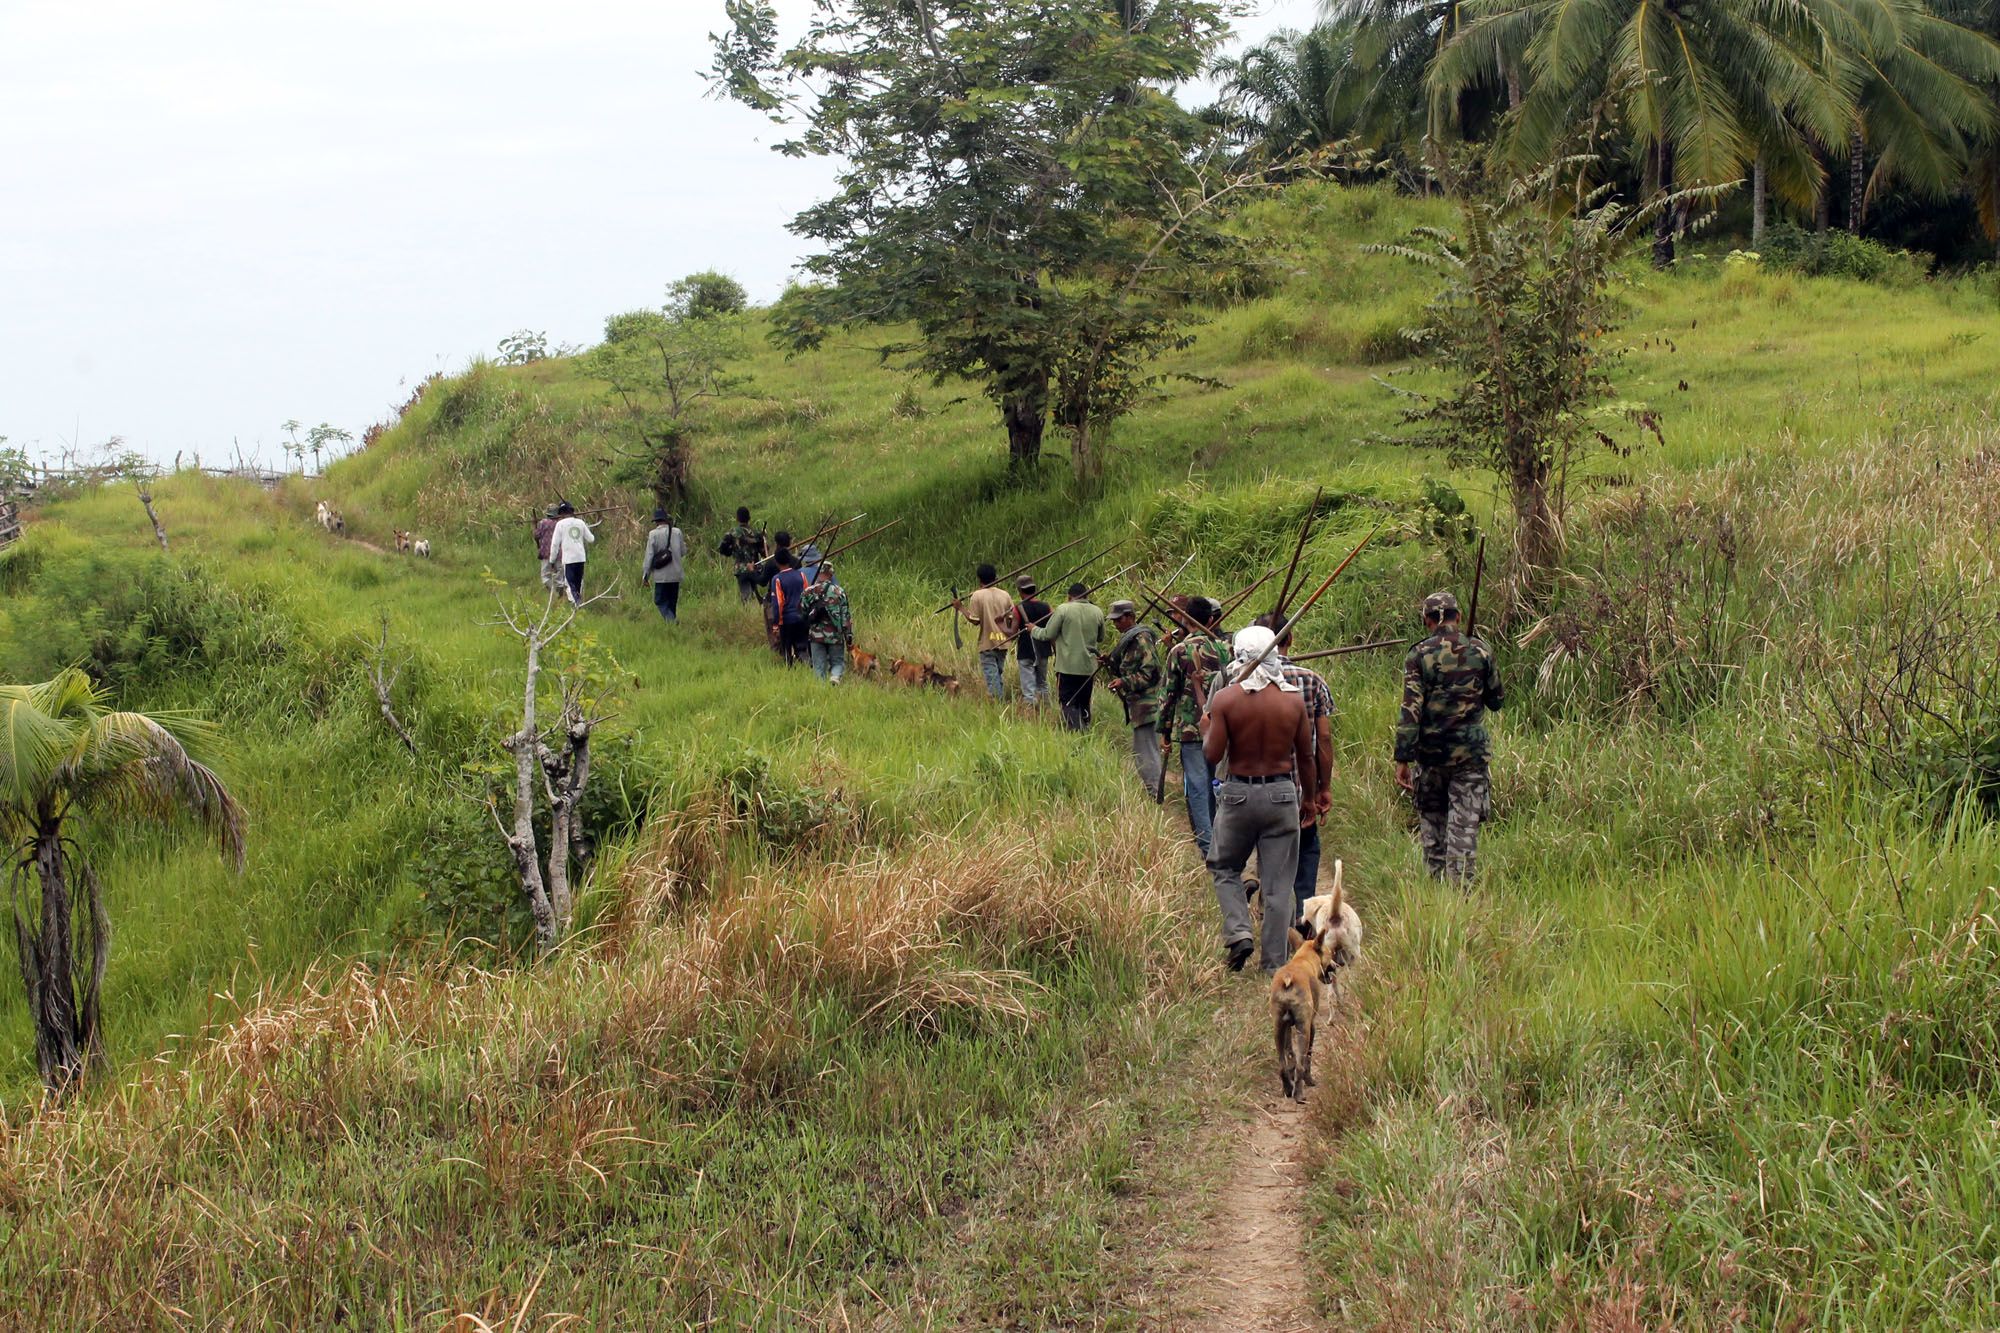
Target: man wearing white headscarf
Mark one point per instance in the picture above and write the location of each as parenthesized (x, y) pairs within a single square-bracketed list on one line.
[(1257, 725)]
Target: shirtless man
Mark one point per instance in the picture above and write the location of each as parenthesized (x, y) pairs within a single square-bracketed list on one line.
[(1258, 724)]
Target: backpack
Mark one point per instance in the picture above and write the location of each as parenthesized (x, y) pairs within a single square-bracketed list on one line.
[(728, 546), (665, 555)]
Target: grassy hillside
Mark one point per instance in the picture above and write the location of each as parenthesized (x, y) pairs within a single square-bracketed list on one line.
[(895, 1003)]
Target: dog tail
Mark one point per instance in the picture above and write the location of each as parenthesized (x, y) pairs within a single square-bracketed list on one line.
[(1339, 873)]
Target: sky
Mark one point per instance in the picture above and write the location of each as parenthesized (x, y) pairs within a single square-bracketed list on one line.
[(215, 217)]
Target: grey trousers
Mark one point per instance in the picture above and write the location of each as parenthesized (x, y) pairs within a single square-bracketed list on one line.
[(1146, 754), (1452, 800), (1261, 818)]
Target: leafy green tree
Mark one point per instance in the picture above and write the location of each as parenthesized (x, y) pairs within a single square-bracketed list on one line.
[(1017, 187), (70, 763), (326, 438), (523, 347), (665, 367), (1518, 326), (1982, 178), (709, 293)]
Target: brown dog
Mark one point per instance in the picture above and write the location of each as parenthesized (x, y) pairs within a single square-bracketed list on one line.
[(909, 673), (402, 540), (949, 684), (1297, 996), (866, 664)]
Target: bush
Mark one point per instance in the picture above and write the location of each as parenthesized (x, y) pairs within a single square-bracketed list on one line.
[(1837, 254), (699, 295)]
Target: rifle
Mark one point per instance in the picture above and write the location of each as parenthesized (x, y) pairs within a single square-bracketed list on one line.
[(1478, 572), (1020, 569), (1305, 530), (845, 547)]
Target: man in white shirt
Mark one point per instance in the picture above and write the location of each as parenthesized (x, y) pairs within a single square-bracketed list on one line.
[(567, 548)]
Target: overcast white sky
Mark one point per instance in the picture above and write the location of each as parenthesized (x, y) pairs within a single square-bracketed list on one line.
[(218, 215)]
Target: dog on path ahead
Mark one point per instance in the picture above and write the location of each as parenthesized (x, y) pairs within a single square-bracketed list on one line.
[(1298, 993)]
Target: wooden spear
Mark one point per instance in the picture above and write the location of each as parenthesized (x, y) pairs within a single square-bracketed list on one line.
[(1230, 606), (1285, 589), (1022, 569), (1318, 593), (848, 546), (1350, 648)]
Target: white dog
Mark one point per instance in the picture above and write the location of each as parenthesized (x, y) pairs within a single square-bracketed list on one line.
[(1331, 919), (422, 547)]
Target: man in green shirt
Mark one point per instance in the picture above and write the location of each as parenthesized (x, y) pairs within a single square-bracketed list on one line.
[(1075, 628)]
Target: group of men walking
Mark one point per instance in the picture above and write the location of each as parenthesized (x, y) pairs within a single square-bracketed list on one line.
[(1254, 731), (807, 617), (1253, 728)]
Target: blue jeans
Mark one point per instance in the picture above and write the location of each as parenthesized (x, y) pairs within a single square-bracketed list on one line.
[(1198, 786), (829, 660), (1034, 679), (667, 597), (993, 665), (1305, 880)]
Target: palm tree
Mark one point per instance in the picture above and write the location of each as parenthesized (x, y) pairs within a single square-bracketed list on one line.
[(1699, 86), (1913, 78), (1983, 158), (1344, 80), (68, 761)]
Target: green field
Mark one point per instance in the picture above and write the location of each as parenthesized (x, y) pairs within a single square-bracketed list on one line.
[(893, 1006)]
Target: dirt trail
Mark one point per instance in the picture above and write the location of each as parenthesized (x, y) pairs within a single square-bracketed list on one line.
[(1247, 1272)]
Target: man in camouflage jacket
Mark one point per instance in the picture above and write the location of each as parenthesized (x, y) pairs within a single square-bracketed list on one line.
[(1134, 667), (829, 625), (1191, 666), (745, 545), (1449, 681)]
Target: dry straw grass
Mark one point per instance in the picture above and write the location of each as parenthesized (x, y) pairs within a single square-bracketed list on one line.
[(487, 1101)]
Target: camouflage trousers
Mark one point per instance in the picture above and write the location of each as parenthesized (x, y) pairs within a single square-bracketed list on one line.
[(1451, 799)]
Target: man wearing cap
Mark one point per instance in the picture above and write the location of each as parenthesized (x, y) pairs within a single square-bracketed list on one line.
[(568, 548), (545, 528), (1134, 667), (1257, 725), (829, 624), (744, 545), (1031, 655), (1449, 681), (992, 611), (1191, 664), (1075, 629), (665, 545)]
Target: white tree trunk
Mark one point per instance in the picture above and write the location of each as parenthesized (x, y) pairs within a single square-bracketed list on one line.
[(1758, 202)]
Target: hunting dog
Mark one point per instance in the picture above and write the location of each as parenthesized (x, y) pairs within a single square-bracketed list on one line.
[(421, 546), (1298, 993), (1331, 919), (909, 673), (402, 540), (865, 663)]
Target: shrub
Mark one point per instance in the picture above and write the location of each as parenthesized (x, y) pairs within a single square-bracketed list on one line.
[(699, 295), (1837, 254)]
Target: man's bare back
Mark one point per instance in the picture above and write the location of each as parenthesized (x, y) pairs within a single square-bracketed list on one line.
[(1262, 734)]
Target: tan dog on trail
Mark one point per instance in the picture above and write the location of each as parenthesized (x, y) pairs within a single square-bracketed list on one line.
[(866, 664), (1297, 995)]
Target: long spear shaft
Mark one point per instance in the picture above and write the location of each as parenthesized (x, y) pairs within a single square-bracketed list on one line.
[(1186, 621), (1069, 573), (1305, 531), (1022, 569), (1478, 573), (829, 530), (1349, 648), (1112, 579), (1244, 596), (848, 546), (1317, 594)]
